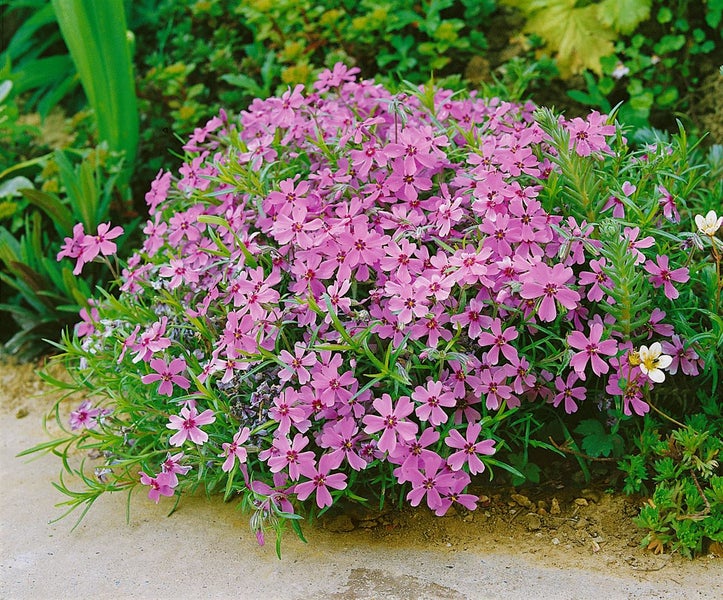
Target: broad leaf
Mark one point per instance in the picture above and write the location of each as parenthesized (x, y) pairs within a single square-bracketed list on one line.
[(623, 15)]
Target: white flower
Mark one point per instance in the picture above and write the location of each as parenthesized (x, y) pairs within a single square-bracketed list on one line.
[(620, 71), (652, 361), (709, 224)]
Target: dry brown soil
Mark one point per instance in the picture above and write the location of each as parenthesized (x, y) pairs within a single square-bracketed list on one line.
[(556, 542)]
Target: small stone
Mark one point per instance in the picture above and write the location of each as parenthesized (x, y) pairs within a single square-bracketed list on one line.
[(533, 522), (340, 524), (468, 518), (541, 511), (581, 502), (581, 524), (555, 507), (21, 413), (592, 495), (522, 500), (556, 541), (541, 504)]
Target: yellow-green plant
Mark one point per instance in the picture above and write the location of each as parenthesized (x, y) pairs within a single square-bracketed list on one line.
[(581, 33)]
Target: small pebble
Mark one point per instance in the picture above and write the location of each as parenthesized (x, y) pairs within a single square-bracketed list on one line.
[(522, 500), (555, 507), (21, 413), (533, 522), (556, 541), (581, 501)]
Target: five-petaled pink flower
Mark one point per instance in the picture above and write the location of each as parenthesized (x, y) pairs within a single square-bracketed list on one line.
[(661, 275), (161, 485), (549, 283), (568, 392), (234, 450), (100, 242), (469, 448), (590, 350), (188, 426), (320, 480), (167, 374), (391, 421)]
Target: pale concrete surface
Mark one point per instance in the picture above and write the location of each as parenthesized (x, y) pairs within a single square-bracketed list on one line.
[(206, 551)]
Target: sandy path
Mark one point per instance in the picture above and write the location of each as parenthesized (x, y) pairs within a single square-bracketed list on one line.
[(205, 550)]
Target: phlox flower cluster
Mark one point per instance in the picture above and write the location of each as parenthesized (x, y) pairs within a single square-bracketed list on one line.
[(347, 281)]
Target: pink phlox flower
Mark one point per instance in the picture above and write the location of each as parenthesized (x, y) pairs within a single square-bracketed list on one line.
[(549, 283), (399, 259), (291, 225), (433, 399), (73, 246), (499, 340), (590, 350), (435, 285), (338, 75), (159, 190), (634, 245), (617, 205), (234, 450), (493, 384), (195, 175), (288, 193), (685, 359), (338, 301), (167, 374), (320, 480), (471, 265), (288, 411), (667, 202), (407, 301), (154, 231), (410, 455), (654, 325), (289, 455), (501, 232), (172, 467), (129, 342), (343, 440), (588, 136), (519, 368), (364, 160), (161, 485), (468, 449), (432, 480), (296, 364), (432, 327), (89, 320), (188, 426), (152, 340), (85, 416), (414, 149), (473, 317), (597, 277), (391, 420), (568, 393), (309, 274), (454, 495), (100, 243), (661, 275), (179, 272), (406, 181), (331, 385)]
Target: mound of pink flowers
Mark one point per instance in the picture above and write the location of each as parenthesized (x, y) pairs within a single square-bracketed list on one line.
[(345, 289)]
